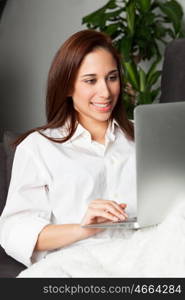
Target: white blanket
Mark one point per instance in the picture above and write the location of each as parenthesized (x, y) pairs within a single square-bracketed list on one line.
[(157, 251)]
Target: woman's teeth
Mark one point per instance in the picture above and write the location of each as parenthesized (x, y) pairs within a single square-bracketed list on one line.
[(101, 105)]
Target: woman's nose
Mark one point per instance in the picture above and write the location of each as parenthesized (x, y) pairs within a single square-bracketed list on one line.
[(104, 89)]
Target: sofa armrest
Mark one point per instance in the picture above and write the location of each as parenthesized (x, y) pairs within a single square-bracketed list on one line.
[(9, 267)]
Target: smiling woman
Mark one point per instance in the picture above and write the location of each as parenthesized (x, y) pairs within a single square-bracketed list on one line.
[(79, 168)]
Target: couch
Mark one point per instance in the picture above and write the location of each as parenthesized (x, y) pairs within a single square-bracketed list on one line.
[(9, 267)]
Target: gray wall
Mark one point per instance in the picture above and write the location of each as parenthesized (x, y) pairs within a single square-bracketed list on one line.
[(31, 31)]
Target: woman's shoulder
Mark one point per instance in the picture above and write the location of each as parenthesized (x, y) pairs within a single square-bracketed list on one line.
[(40, 138)]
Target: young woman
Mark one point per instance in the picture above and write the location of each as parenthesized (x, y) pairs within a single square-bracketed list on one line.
[(79, 168)]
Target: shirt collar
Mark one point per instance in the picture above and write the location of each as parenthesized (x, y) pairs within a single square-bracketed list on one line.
[(110, 134), (80, 130), (111, 130)]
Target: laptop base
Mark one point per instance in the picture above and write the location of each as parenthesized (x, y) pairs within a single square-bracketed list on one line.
[(127, 224)]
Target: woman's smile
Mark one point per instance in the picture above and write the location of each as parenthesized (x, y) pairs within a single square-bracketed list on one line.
[(102, 107)]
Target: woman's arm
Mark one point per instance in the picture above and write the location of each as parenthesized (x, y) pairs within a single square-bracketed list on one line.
[(56, 236)]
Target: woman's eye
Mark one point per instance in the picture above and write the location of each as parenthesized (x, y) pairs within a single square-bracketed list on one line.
[(113, 78), (90, 81)]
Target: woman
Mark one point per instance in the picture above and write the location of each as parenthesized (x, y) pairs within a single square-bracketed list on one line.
[(79, 168)]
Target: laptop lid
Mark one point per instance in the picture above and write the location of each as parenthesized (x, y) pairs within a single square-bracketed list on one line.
[(160, 159)]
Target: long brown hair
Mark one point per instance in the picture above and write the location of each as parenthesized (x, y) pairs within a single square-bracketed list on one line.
[(61, 79)]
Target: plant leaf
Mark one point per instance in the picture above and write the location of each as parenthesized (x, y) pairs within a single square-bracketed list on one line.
[(154, 93), (152, 71), (144, 97), (95, 19), (160, 31), (111, 29), (98, 18), (130, 15), (111, 4), (114, 14), (153, 78), (174, 12), (125, 47), (142, 80), (131, 74), (143, 5)]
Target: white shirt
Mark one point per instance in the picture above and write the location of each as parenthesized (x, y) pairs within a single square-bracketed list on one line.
[(54, 183)]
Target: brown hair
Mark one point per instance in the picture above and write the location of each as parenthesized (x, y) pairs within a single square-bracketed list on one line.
[(61, 78)]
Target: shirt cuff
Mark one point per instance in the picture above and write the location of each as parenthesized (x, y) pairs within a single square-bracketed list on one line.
[(20, 237)]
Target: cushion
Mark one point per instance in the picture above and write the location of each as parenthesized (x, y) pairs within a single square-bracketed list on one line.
[(173, 73), (8, 138)]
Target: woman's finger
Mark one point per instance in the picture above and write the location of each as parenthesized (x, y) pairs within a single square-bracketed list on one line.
[(123, 207), (109, 202), (109, 208), (120, 207), (95, 212)]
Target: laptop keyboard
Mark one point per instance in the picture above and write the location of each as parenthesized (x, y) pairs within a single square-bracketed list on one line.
[(129, 220)]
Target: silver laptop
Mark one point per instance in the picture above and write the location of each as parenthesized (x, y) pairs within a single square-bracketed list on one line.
[(160, 163)]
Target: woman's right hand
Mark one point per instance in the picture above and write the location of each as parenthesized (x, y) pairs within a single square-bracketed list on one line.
[(101, 210)]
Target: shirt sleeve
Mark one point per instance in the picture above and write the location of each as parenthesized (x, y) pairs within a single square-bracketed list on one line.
[(27, 210)]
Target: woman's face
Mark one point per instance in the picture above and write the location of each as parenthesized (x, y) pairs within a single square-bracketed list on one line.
[(97, 87)]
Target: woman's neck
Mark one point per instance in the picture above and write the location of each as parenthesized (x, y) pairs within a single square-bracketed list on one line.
[(97, 129)]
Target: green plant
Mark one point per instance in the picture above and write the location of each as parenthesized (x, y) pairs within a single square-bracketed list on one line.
[(139, 30)]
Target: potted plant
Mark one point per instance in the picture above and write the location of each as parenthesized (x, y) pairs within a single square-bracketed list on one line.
[(139, 30)]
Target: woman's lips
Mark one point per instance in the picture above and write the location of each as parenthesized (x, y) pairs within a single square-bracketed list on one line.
[(104, 107)]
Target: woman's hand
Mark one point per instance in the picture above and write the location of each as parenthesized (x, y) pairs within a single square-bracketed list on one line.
[(100, 211)]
